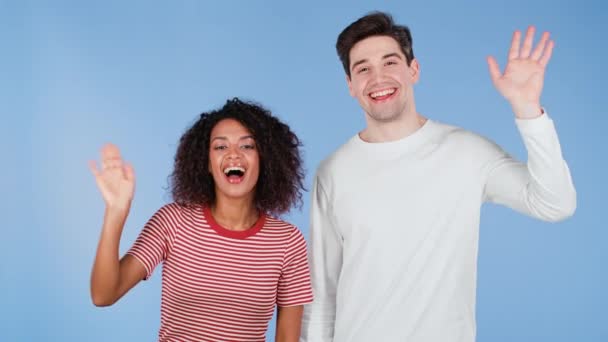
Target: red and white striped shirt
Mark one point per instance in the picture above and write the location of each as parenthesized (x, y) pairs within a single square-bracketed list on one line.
[(218, 284)]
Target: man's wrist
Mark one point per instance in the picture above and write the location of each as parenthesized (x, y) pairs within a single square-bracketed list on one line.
[(527, 111)]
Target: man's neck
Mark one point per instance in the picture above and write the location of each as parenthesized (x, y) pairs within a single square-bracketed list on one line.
[(378, 132)]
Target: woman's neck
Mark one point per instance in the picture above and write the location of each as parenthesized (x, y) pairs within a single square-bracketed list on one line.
[(237, 215)]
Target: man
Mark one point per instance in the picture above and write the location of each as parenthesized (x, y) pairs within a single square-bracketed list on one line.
[(395, 210)]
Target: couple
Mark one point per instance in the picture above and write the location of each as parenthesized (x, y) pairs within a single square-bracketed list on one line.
[(394, 212)]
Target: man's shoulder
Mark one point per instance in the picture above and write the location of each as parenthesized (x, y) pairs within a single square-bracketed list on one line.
[(457, 135), (343, 155)]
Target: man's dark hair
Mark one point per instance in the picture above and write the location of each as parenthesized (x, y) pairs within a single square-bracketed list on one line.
[(373, 24)]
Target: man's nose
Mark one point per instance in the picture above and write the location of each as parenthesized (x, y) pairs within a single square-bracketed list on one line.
[(377, 74)]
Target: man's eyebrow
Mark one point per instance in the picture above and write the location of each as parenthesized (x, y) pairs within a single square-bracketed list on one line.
[(393, 54), (357, 63), (388, 55)]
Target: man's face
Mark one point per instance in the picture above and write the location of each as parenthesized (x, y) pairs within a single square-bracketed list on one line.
[(380, 78)]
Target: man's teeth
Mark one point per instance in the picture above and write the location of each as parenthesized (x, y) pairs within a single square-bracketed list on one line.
[(234, 168), (382, 93)]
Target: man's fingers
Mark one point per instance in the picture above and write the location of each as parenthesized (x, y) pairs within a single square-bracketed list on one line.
[(494, 69), (515, 41), (527, 46), (544, 60), (540, 47)]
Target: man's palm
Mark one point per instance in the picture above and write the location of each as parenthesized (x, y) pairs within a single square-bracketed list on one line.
[(522, 80)]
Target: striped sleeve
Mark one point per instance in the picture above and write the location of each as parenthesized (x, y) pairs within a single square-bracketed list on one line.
[(154, 243), (294, 284)]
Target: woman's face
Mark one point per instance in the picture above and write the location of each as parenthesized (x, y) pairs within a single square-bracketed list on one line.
[(234, 161)]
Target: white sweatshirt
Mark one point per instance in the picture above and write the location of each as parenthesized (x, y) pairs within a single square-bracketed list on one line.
[(395, 228)]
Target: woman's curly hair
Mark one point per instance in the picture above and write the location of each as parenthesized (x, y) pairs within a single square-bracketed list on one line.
[(281, 172)]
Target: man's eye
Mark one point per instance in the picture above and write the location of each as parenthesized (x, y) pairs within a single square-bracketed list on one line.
[(391, 63), (362, 70)]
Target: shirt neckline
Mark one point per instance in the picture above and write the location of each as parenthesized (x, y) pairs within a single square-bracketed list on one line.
[(234, 234), (404, 145)]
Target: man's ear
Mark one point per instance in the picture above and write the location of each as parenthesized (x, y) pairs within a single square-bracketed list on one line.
[(350, 86), (414, 70)]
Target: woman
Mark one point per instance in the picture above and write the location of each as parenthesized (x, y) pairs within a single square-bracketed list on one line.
[(227, 260)]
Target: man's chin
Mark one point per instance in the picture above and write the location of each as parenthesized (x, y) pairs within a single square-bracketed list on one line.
[(384, 117)]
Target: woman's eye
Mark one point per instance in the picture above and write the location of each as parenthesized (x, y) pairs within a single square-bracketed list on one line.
[(221, 147), (248, 147)]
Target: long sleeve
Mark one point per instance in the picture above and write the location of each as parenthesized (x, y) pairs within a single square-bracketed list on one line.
[(326, 263), (543, 187)]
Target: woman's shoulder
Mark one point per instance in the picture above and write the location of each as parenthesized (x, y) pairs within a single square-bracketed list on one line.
[(178, 211), (282, 227)]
